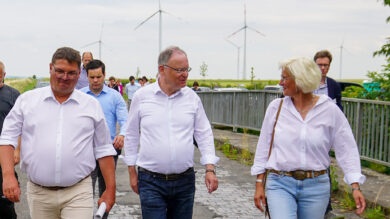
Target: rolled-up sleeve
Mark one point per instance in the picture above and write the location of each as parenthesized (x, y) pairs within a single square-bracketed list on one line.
[(12, 126), (204, 136), (101, 139), (132, 135), (345, 147)]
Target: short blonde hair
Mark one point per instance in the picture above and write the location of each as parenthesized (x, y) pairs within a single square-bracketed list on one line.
[(305, 71)]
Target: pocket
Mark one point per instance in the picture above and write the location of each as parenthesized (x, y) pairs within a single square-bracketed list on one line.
[(322, 178)]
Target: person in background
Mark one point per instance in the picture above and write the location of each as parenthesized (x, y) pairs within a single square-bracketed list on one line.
[(114, 109), (83, 79), (163, 128), (195, 86), (141, 82), (120, 86), (130, 89), (112, 83), (328, 86), (150, 80), (59, 156), (145, 80), (308, 126), (8, 96)]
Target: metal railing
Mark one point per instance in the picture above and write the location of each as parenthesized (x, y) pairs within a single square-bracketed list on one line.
[(369, 120)]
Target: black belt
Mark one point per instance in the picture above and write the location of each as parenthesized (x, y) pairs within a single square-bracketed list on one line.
[(168, 177), (55, 188)]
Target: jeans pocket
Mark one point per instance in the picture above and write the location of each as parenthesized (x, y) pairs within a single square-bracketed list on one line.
[(322, 178)]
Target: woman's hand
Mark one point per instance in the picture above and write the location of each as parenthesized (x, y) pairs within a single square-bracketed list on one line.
[(260, 196)]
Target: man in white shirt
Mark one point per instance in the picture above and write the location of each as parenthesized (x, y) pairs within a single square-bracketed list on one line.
[(131, 88), (163, 119), (63, 132), (83, 79)]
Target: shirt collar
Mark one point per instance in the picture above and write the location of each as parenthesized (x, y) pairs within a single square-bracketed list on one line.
[(104, 90), (157, 89), (48, 94)]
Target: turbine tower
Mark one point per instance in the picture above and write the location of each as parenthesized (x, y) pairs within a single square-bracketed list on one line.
[(238, 57), (245, 27), (100, 42), (341, 59), (159, 12)]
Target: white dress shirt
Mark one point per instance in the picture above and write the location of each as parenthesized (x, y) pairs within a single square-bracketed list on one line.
[(164, 127), (60, 142), (304, 144)]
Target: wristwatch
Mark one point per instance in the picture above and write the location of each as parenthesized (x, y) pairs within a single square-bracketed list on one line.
[(210, 170)]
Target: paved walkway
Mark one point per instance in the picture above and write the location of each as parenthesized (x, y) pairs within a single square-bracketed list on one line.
[(376, 189)]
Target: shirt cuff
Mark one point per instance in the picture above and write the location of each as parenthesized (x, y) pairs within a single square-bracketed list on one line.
[(130, 160), (354, 177), (257, 170), (209, 159), (6, 142), (104, 150)]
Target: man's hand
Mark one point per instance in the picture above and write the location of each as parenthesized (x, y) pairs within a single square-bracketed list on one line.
[(11, 189), (107, 167), (133, 179), (211, 179), (359, 199), (118, 142), (108, 197)]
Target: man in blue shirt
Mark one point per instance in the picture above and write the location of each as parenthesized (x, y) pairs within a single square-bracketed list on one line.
[(83, 79), (131, 88), (114, 109)]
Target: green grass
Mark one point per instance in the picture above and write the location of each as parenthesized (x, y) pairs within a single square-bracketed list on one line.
[(22, 85)]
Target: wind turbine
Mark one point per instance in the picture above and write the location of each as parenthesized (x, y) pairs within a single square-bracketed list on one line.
[(159, 12), (100, 42), (244, 28), (341, 58), (238, 57)]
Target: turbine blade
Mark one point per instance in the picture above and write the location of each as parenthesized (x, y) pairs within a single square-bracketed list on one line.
[(179, 18), (257, 31), (235, 32), (146, 20), (101, 32), (89, 44), (235, 45)]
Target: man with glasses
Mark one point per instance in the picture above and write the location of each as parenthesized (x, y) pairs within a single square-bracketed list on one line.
[(63, 132), (163, 119), (114, 109), (328, 86)]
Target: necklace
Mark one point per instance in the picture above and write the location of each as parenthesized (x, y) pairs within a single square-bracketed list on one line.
[(304, 111)]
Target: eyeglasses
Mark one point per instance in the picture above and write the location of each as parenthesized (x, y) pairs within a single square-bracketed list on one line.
[(323, 65), (61, 74), (179, 70)]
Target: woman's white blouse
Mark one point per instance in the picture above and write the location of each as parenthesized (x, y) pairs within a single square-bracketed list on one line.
[(304, 144)]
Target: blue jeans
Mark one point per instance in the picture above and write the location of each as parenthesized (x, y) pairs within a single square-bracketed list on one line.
[(162, 199), (302, 199)]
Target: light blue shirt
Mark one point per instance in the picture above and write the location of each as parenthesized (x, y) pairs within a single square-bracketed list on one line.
[(131, 89), (114, 108), (83, 79)]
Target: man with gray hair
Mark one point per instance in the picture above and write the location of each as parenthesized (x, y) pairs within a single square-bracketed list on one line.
[(83, 79), (8, 97), (163, 119)]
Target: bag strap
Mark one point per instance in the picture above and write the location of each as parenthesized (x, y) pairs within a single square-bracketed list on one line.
[(273, 131)]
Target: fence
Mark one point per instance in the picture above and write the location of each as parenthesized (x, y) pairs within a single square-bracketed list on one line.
[(369, 120)]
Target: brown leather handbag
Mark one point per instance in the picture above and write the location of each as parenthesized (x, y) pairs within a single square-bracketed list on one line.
[(269, 154)]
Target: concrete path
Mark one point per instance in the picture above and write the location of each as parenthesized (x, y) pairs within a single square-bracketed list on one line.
[(376, 189)]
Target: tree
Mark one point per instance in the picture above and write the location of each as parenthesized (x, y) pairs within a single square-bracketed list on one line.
[(137, 73), (252, 75), (203, 70), (381, 80)]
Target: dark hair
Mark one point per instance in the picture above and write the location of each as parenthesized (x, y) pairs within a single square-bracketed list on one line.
[(94, 64), (323, 54), (67, 53), (131, 78), (145, 78), (112, 78), (195, 84)]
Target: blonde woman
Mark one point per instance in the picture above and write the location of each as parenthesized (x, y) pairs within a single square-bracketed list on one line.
[(307, 128)]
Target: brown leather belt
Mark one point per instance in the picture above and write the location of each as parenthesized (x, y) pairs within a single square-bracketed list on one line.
[(300, 174), (168, 177), (55, 188)]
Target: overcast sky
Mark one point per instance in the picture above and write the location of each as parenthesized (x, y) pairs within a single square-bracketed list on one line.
[(30, 32)]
